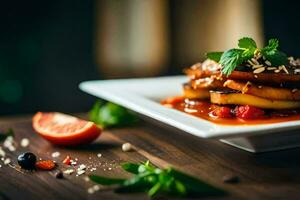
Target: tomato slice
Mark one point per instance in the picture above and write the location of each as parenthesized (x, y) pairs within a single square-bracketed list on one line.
[(62, 129)]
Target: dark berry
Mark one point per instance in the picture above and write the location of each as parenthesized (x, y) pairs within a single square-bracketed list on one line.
[(27, 160), (59, 175)]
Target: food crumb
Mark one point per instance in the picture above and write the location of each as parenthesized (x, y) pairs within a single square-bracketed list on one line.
[(69, 171), (6, 161), (24, 142), (90, 190), (126, 147), (96, 187), (55, 154)]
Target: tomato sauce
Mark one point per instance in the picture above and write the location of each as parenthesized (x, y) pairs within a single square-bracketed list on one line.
[(203, 109)]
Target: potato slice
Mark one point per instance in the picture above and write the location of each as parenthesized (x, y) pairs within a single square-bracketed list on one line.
[(192, 93), (247, 99), (264, 91)]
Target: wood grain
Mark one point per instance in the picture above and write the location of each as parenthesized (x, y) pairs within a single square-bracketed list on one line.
[(262, 176)]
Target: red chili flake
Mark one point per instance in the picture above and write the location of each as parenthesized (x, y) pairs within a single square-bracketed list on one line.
[(67, 160), (45, 164)]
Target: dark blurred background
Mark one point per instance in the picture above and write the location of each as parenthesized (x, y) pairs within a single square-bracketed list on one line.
[(48, 47)]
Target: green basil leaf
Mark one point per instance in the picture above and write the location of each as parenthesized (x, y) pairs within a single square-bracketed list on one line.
[(106, 181)]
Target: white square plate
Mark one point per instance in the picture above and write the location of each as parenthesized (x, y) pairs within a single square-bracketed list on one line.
[(143, 95)]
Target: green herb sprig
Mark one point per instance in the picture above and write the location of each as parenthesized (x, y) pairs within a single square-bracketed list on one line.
[(107, 114), (246, 50), (6, 134), (153, 181)]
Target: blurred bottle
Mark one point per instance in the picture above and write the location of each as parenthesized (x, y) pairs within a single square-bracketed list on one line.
[(132, 37)]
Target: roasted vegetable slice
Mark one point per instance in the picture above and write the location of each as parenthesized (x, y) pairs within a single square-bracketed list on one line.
[(207, 83), (263, 91), (208, 68), (224, 98), (192, 93)]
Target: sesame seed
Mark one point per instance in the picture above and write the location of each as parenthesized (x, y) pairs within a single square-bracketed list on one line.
[(256, 66), (294, 90), (82, 167), (255, 76), (24, 142), (268, 63), (297, 71), (271, 68), (69, 171), (259, 70), (99, 155), (86, 179), (251, 63), (277, 70), (260, 86), (284, 69), (80, 172), (126, 147), (254, 61)]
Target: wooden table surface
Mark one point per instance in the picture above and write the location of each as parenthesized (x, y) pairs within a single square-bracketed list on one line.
[(262, 176)]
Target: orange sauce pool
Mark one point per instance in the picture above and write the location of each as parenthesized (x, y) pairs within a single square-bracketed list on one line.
[(202, 110)]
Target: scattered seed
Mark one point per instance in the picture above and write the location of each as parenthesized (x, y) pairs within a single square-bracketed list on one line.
[(271, 68), (86, 179), (231, 179), (260, 86), (24, 142), (7, 161), (284, 69), (259, 70), (255, 76), (2, 152), (55, 154), (294, 90), (297, 71), (254, 61), (256, 66), (99, 155), (80, 172), (268, 63), (69, 171), (277, 70), (90, 190), (126, 147), (82, 167), (96, 187)]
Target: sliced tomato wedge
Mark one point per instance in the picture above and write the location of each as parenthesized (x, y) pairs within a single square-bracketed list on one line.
[(62, 129)]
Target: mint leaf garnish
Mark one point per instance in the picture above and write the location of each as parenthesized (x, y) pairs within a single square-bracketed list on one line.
[(215, 56), (248, 49), (231, 59), (272, 54), (247, 43)]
